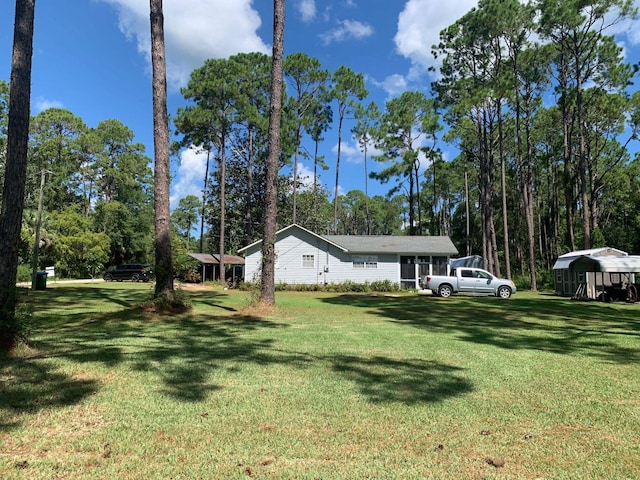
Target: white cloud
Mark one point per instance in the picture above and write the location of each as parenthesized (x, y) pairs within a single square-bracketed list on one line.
[(627, 32), (353, 154), (305, 177), (191, 170), (394, 85), (347, 29), (349, 152), (419, 26), (195, 30), (42, 104), (307, 9)]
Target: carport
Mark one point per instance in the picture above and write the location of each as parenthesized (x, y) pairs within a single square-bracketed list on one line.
[(210, 266), (608, 278)]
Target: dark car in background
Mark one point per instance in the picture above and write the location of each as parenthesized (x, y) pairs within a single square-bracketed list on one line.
[(135, 272)]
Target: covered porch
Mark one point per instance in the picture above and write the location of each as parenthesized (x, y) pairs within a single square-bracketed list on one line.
[(209, 267)]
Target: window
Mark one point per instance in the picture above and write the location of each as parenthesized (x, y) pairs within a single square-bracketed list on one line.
[(479, 274), (308, 261), (365, 261), (440, 265)]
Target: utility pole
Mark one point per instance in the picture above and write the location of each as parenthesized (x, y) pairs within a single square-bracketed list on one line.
[(36, 246)]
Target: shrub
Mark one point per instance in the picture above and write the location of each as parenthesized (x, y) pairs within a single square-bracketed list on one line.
[(385, 286), (347, 286), (24, 273)]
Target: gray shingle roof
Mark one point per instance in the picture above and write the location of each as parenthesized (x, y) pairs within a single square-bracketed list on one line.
[(416, 245), (394, 244)]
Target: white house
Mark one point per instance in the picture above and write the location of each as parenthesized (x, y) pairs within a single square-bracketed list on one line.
[(304, 257)]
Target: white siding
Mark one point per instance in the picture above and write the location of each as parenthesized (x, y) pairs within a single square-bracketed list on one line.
[(342, 269), (290, 249), (331, 264)]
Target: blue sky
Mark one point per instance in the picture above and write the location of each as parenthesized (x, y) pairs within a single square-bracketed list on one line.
[(92, 58)]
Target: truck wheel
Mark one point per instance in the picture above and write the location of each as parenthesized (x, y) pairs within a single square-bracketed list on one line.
[(445, 291), (108, 277), (135, 277), (504, 292)]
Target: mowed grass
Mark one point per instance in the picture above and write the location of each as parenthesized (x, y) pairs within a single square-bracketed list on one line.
[(328, 386)]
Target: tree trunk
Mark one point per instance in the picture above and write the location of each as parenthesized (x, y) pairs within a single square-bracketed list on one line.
[(529, 210), (16, 168), (267, 287), (222, 183), (503, 184), (205, 188), (295, 173), (582, 164), (248, 218), (335, 192), (366, 190), (467, 209), (164, 269)]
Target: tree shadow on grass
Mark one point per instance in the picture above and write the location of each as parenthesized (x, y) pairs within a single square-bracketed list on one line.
[(27, 386), (91, 296), (552, 324), (413, 381), (181, 351)]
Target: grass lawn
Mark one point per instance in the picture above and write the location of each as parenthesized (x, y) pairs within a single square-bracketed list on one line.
[(331, 386)]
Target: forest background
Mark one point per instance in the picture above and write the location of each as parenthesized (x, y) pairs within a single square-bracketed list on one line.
[(519, 144)]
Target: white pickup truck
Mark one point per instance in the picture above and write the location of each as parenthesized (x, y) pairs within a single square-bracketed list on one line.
[(469, 280)]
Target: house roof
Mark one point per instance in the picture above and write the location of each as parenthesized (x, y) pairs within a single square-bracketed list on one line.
[(379, 243), (293, 226), (214, 259), (394, 244)]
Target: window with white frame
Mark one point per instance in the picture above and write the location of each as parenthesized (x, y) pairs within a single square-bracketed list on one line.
[(365, 261), (308, 261)]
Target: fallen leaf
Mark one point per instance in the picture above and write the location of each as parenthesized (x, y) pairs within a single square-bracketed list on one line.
[(496, 462)]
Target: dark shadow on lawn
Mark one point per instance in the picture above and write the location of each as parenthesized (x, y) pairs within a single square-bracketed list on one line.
[(71, 296), (406, 381), (133, 336), (181, 352), (27, 386), (553, 324)]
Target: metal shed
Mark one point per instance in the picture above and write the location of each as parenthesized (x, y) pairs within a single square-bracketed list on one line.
[(603, 277)]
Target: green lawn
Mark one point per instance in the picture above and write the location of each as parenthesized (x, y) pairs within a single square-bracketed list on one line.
[(332, 386)]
